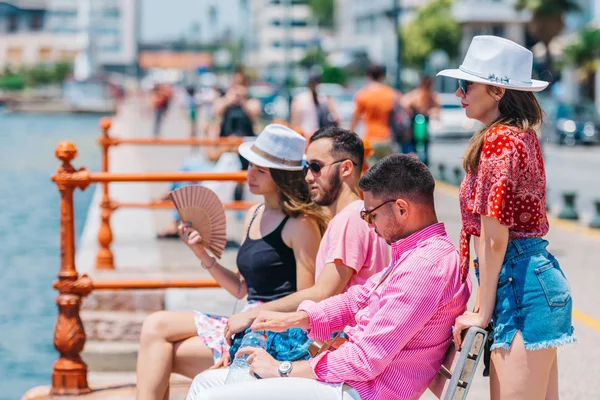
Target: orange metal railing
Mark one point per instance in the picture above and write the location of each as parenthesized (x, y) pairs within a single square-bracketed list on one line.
[(69, 374), (105, 257)]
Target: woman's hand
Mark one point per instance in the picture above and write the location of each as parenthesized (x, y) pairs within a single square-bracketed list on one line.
[(191, 238), (279, 322), (261, 362), (465, 321), (223, 362), (235, 324)]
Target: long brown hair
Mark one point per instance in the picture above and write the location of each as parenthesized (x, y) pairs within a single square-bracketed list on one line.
[(517, 108), (295, 197)]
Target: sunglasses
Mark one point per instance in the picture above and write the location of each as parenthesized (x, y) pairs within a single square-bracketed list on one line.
[(316, 168), (366, 215), (463, 85)]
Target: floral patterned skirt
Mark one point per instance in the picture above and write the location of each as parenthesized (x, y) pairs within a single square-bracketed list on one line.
[(211, 329)]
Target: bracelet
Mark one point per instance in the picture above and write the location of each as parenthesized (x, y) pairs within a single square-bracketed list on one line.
[(211, 265)]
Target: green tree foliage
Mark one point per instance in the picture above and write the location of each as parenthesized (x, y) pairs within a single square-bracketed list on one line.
[(314, 56), (432, 29), (585, 55), (334, 75), (61, 71), (547, 19), (323, 11), (12, 81), (38, 75)]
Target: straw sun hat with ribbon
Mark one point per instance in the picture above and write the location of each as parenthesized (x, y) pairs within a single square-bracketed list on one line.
[(277, 147)]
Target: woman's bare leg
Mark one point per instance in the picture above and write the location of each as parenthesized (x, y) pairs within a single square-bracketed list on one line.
[(552, 390), (191, 357), (519, 374), (155, 359)]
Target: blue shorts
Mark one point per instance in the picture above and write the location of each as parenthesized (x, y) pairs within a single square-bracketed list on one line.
[(533, 297)]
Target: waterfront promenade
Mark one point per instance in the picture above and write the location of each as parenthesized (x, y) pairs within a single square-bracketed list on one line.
[(138, 255)]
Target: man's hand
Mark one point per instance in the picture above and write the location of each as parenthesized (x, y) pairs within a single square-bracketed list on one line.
[(279, 322), (465, 321), (237, 323), (261, 362), (223, 362)]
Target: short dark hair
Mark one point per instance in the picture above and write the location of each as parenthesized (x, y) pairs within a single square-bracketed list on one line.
[(399, 175), (376, 72), (345, 144)]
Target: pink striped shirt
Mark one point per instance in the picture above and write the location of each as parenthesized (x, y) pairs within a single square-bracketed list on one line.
[(400, 337)]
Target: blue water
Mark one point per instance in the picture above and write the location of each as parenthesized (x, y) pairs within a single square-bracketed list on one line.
[(29, 239)]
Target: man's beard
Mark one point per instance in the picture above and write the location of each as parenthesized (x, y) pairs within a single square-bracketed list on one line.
[(398, 232), (332, 191)]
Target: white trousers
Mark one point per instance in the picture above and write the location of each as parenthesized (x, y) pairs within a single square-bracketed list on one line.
[(210, 385)]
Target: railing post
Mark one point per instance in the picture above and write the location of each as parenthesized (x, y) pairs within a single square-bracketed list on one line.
[(105, 258), (442, 172), (568, 211), (69, 372), (457, 176)]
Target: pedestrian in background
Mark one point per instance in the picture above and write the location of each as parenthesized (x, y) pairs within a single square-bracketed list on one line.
[(523, 291), (160, 98), (312, 111), (374, 104), (191, 106), (421, 104)]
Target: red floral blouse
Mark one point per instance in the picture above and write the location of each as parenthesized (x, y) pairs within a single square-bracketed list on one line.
[(510, 185)]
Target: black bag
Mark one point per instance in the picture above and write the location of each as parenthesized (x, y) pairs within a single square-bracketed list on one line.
[(400, 124), (324, 116), (487, 350)]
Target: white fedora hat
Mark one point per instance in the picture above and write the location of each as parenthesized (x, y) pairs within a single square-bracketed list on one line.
[(496, 61), (278, 147)]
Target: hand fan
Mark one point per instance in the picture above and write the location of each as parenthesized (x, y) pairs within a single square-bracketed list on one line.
[(202, 208)]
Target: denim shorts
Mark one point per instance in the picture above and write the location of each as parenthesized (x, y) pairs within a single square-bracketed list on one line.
[(533, 297)]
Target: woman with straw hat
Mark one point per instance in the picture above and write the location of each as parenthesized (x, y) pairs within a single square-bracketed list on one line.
[(523, 292), (276, 258)]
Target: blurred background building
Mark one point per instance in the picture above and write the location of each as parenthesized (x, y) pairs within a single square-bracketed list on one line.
[(280, 41), (114, 28), (25, 39), (281, 34)]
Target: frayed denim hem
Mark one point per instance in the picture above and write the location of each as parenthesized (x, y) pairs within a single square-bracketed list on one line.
[(500, 346), (547, 344)]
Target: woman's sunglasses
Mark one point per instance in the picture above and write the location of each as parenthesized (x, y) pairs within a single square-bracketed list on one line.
[(316, 168), (463, 85)]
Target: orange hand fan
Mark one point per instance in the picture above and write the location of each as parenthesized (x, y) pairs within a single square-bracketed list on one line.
[(202, 208)]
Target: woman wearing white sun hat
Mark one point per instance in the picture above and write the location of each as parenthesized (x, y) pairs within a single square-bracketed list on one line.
[(522, 292), (276, 258)]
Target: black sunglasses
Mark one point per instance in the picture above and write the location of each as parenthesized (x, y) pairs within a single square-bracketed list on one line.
[(316, 168), (463, 85), (366, 215)]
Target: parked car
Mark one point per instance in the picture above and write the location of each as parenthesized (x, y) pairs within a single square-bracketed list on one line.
[(572, 124), (453, 123)]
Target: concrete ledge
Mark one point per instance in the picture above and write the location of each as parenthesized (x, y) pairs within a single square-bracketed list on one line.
[(111, 356), (115, 386), (125, 300), (113, 325)]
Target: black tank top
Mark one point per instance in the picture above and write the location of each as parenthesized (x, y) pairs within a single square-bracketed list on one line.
[(267, 264), (236, 122)]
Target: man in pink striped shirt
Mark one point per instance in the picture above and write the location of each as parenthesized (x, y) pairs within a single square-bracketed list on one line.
[(398, 324)]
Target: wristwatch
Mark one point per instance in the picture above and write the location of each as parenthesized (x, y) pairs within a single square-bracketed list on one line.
[(285, 368)]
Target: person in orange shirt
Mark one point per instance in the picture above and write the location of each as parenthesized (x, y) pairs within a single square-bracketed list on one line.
[(374, 103)]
